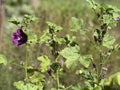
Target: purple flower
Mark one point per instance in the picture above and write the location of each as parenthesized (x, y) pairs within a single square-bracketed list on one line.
[(118, 19), (19, 37)]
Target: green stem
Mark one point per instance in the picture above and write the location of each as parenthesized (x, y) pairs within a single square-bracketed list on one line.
[(26, 64), (100, 64), (57, 79), (57, 72)]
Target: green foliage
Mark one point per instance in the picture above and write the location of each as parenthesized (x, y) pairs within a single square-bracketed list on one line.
[(49, 36), (45, 63), (97, 88), (25, 21), (54, 27), (3, 59), (108, 41), (76, 88), (66, 51), (37, 78), (77, 25), (115, 79), (72, 55), (15, 21), (32, 38), (85, 60), (45, 36), (93, 4), (20, 85)]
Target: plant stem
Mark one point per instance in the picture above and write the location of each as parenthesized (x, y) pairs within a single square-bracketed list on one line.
[(26, 63), (100, 62), (57, 78), (57, 72)]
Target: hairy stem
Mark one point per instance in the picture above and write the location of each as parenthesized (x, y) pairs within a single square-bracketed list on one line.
[(57, 79), (26, 64)]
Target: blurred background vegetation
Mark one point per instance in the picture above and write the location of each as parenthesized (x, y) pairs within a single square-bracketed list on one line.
[(57, 11)]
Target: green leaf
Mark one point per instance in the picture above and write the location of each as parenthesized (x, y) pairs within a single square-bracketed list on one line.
[(107, 19), (77, 25), (97, 88), (88, 86), (72, 55), (115, 79), (3, 59), (76, 87), (37, 77), (108, 41), (105, 82), (45, 63), (92, 3), (30, 18), (45, 37), (86, 60), (15, 21), (60, 40), (34, 19), (70, 40), (20, 85), (32, 38), (55, 27)]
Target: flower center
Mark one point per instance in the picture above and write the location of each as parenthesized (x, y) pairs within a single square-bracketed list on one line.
[(19, 38)]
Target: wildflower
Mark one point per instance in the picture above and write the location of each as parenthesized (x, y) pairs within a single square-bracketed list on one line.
[(118, 19), (19, 37)]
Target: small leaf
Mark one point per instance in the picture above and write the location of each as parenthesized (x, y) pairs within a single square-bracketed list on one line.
[(55, 27), (70, 41), (105, 82), (78, 87), (115, 79), (45, 63), (37, 77), (76, 25), (92, 4), (15, 21), (108, 41), (97, 88), (32, 38), (20, 85), (72, 55), (3, 59), (86, 60), (60, 40), (45, 37)]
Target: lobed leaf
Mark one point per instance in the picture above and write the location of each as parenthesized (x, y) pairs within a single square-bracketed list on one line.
[(86, 60), (20, 85), (3, 59), (108, 41), (45, 63), (115, 79), (77, 25), (72, 55)]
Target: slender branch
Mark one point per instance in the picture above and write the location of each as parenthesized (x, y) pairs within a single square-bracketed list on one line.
[(57, 78), (26, 64)]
